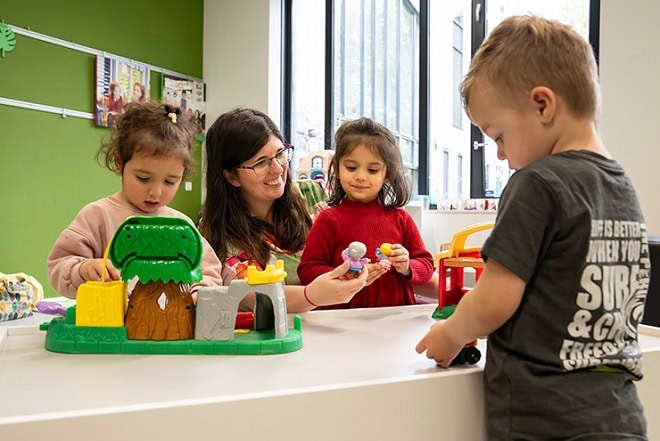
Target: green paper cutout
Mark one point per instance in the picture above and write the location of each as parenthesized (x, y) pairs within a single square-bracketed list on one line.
[(7, 39)]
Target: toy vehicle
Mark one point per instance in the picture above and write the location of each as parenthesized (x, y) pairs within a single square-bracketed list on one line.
[(451, 263), (470, 354)]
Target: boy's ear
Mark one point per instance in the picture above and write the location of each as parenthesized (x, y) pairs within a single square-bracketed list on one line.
[(231, 178), (545, 102)]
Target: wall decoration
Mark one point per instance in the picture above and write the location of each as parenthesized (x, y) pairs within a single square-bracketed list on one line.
[(10, 36), (7, 39), (187, 94), (117, 83)]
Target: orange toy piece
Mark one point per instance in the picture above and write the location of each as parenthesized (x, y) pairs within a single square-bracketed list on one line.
[(452, 262)]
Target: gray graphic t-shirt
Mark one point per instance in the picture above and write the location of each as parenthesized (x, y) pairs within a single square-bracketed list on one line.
[(570, 226)]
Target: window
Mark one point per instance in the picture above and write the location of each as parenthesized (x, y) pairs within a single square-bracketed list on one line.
[(375, 66), (374, 72), (457, 75), (573, 12), (400, 62), (445, 174), (306, 127), (317, 162), (459, 177)]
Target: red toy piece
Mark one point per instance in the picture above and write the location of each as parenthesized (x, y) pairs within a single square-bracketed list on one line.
[(451, 263), (244, 320)]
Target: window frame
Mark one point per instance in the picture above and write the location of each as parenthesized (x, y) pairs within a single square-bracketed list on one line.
[(478, 33), (477, 157)]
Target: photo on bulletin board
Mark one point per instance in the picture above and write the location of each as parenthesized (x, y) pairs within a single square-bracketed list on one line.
[(117, 83), (188, 95)]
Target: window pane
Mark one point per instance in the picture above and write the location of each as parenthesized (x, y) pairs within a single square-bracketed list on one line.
[(445, 174), (407, 147), (409, 76), (450, 30), (450, 23), (308, 82), (457, 75), (459, 173), (379, 60), (353, 59), (393, 52), (571, 12), (377, 67), (369, 60)]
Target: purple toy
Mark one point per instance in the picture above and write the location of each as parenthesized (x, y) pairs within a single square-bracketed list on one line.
[(354, 254), (52, 308)]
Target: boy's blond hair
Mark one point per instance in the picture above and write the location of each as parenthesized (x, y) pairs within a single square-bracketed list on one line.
[(524, 52)]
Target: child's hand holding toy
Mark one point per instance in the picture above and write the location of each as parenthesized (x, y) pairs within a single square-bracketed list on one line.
[(394, 255), (92, 269)]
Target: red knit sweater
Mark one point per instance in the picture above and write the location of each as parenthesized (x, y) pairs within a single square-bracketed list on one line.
[(371, 224)]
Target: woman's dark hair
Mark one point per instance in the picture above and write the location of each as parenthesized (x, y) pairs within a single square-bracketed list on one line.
[(377, 138), (235, 137)]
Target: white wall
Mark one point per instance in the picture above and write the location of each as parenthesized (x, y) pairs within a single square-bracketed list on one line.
[(629, 72), (242, 56), (437, 227)]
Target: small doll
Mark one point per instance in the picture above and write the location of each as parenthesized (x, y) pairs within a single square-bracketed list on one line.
[(354, 254), (382, 254)]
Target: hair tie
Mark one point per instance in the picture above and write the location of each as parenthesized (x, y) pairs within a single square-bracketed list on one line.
[(172, 112), (307, 298)]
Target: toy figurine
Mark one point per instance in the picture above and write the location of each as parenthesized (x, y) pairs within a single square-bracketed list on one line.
[(382, 254), (354, 254)]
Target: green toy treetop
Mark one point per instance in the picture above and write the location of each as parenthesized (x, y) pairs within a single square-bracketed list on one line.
[(153, 248)]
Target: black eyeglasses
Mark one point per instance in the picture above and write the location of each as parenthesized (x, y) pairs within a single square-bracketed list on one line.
[(261, 167)]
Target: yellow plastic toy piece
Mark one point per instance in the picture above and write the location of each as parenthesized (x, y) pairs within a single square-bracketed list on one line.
[(101, 303), (457, 245), (272, 274), (386, 248)]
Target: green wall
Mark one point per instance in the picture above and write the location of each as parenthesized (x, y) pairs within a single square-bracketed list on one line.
[(48, 169)]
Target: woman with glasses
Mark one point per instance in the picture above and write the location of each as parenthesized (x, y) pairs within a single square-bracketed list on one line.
[(253, 214)]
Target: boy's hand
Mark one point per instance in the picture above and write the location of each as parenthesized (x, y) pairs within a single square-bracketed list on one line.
[(439, 346), (92, 269)]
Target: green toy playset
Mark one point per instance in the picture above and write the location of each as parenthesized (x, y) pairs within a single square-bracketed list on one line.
[(163, 255)]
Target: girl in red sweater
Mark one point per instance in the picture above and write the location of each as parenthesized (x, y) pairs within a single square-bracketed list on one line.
[(254, 214), (368, 188)]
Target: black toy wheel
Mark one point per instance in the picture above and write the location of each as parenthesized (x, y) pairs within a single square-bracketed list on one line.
[(471, 355), (468, 355)]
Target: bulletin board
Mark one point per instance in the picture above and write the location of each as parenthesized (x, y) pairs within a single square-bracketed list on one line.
[(48, 136)]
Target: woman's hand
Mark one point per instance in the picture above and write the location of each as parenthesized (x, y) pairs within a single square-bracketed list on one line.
[(332, 289), (92, 269)]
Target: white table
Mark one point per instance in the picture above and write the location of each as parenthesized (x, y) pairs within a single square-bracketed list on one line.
[(357, 377)]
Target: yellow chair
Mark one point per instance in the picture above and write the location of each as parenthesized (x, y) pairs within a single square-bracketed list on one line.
[(451, 263)]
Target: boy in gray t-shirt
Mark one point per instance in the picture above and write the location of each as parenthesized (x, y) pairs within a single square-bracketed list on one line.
[(567, 263)]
